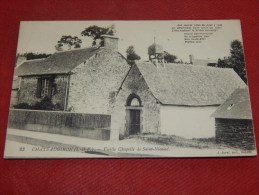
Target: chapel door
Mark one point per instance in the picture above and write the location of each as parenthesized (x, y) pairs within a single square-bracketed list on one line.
[(134, 122)]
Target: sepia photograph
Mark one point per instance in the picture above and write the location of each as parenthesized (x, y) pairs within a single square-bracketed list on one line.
[(130, 89)]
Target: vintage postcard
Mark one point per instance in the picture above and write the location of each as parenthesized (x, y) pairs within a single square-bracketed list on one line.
[(130, 89)]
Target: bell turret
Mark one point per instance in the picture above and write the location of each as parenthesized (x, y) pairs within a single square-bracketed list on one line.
[(156, 53)]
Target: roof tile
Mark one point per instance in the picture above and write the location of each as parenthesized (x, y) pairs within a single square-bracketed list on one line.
[(183, 84), (237, 106), (58, 63)]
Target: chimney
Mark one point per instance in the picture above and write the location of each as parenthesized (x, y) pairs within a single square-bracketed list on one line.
[(111, 42), (191, 58)]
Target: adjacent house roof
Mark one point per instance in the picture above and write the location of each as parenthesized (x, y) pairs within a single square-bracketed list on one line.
[(182, 84), (58, 63), (237, 106), (203, 62)]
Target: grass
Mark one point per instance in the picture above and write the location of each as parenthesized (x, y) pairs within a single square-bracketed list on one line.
[(177, 141)]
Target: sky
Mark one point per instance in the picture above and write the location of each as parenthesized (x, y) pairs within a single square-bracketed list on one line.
[(42, 36)]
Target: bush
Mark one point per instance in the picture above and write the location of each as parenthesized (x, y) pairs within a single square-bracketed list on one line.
[(22, 106), (44, 104)]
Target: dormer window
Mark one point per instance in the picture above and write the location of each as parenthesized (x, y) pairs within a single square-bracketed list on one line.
[(230, 107)]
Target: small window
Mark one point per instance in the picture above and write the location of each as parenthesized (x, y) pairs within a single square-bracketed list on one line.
[(230, 107), (152, 57), (134, 102), (44, 87)]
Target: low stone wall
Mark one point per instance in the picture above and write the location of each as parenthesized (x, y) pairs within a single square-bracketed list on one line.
[(237, 133), (94, 126)]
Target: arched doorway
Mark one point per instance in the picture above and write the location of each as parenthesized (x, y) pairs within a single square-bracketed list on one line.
[(133, 113)]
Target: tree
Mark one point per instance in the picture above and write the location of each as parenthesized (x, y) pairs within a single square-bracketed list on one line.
[(131, 55), (169, 58), (33, 56), (96, 32), (29, 56), (223, 63), (66, 42), (235, 60)]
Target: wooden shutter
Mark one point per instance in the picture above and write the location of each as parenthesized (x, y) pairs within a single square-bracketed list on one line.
[(39, 88)]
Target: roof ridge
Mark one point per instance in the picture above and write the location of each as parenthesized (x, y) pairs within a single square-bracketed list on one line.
[(189, 65), (33, 60), (76, 49)]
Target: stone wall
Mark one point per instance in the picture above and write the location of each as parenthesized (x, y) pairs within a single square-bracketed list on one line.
[(28, 88), (27, 91), (150, 111), (60, 95), (93, 82), (75, 124), (236, 133)]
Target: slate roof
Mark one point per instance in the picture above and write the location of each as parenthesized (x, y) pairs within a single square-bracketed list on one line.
[(57, 63), (189, 85), (237, 106)]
